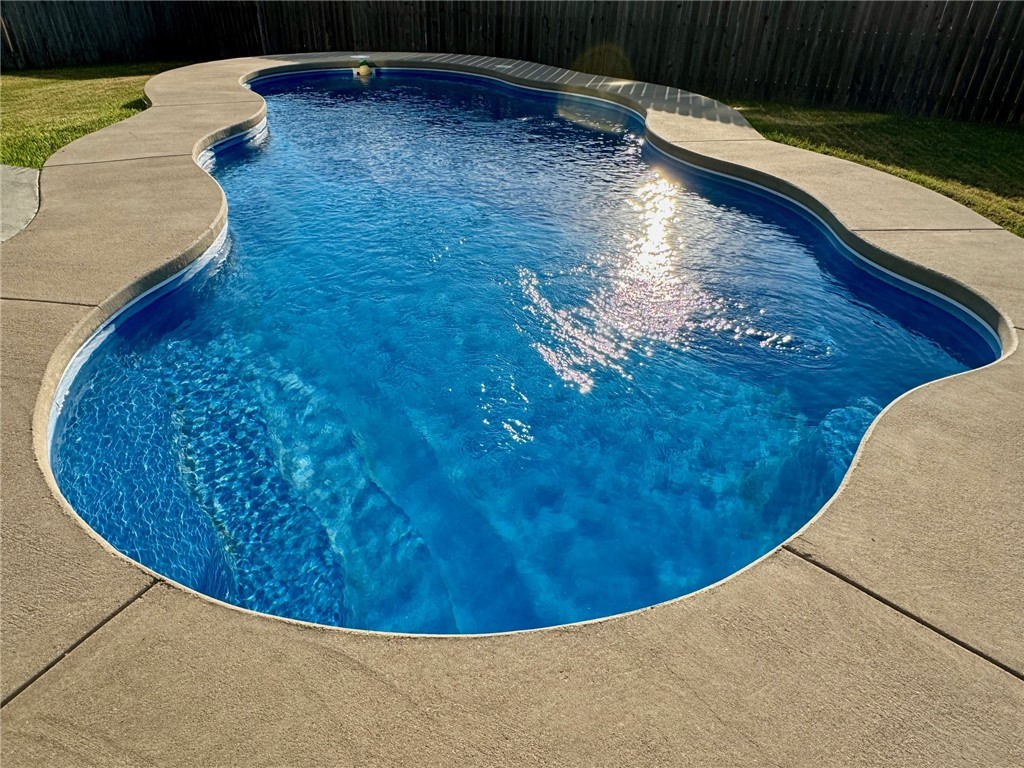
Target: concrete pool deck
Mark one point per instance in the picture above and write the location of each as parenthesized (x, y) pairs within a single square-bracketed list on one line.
[(890, 631), (19, 199)]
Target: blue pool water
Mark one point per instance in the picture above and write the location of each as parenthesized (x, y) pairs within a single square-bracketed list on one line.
[(479, 359)]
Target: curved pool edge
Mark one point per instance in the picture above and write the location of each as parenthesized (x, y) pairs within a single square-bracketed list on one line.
[(597, 87), (204, 151), (224, 78)]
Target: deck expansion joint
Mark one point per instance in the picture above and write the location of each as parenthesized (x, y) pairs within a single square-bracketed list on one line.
[(49, 301), (933, 229), (215, 103), (119, 160), (899, 609), (65, 653), (708, 141)]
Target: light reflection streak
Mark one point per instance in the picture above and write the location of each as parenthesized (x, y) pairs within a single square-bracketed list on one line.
[(649, 300)]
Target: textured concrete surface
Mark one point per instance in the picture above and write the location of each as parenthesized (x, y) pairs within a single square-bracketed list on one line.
[(101, 227), (784, 665), (56, 583), (860, 197), (161, 131), (990, 261), (19, 199), (908, 527), (887, 633)]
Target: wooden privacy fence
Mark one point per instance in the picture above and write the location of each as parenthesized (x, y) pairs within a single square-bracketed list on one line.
[(961, 60)]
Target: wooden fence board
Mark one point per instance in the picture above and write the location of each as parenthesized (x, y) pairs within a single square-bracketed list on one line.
[(953, 58)]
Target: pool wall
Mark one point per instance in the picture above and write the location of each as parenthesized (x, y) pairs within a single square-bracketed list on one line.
[(898, 604)]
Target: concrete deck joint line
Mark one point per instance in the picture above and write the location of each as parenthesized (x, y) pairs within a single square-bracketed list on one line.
[(70, 649), (993, 228), (898, 604), (157, 156), (215, 102), (899, 609), (753, 139), (48, 301)]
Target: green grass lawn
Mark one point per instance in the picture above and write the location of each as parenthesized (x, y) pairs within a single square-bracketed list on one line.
[(42, 110), (979, 165)]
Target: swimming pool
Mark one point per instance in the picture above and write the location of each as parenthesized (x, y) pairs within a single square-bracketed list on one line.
[(476, 358)]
